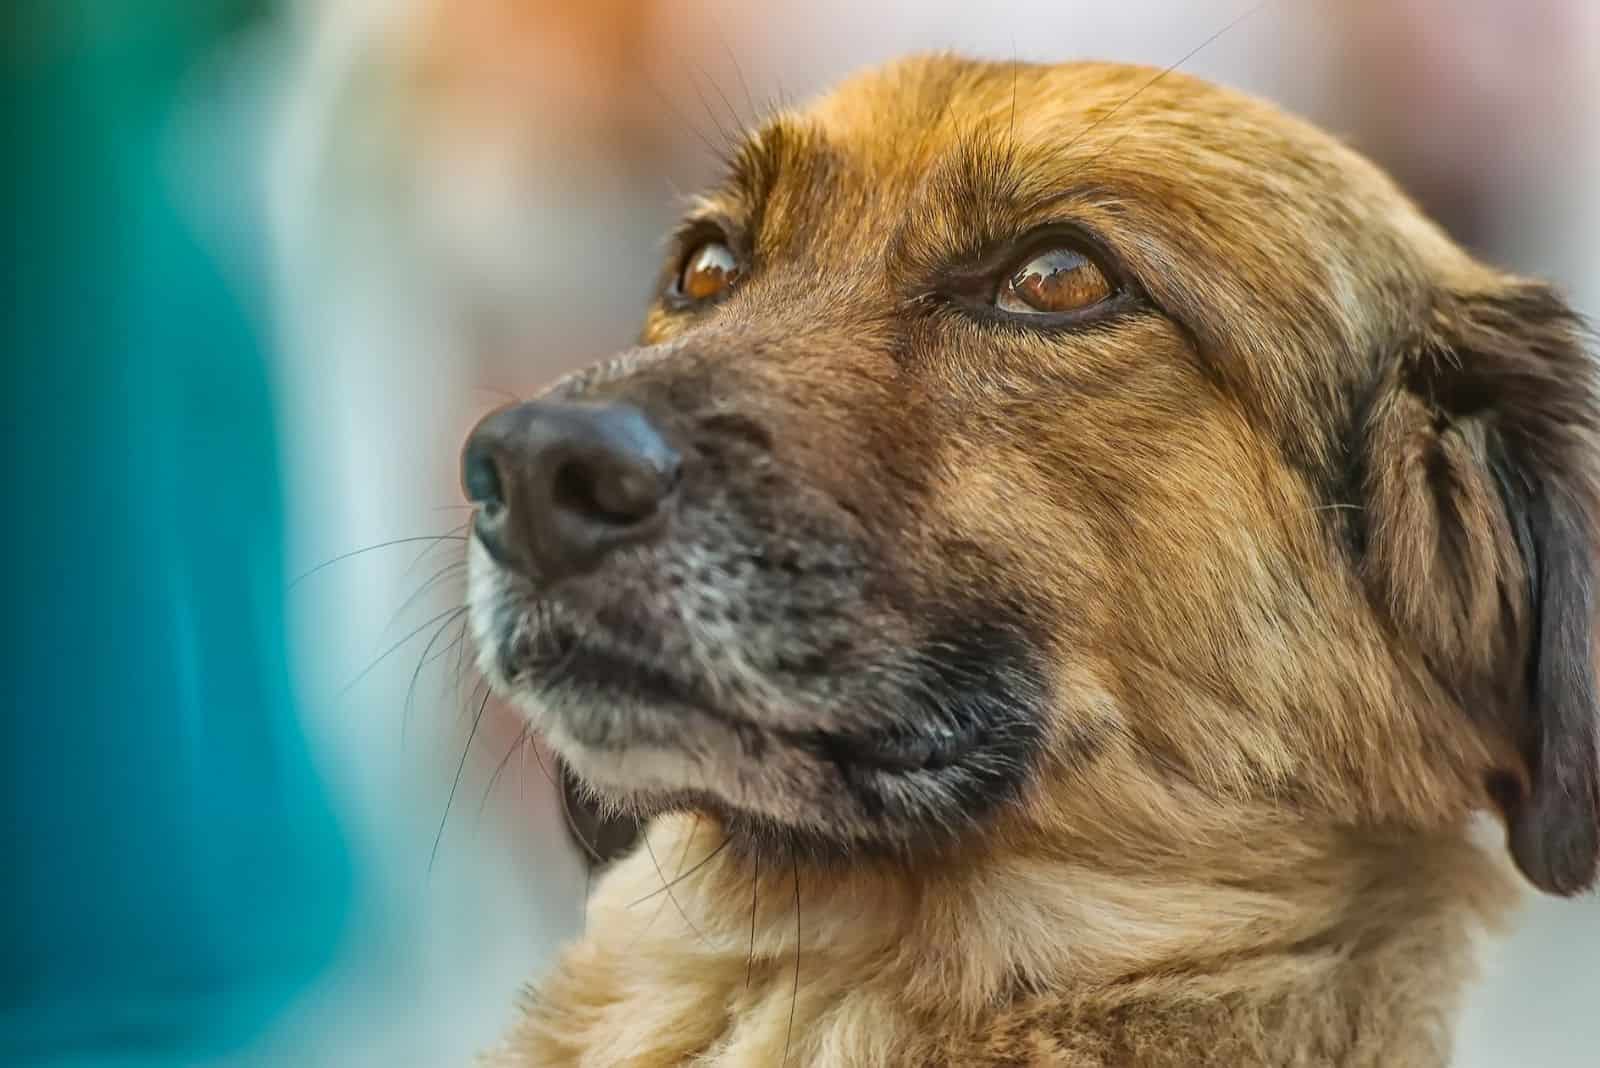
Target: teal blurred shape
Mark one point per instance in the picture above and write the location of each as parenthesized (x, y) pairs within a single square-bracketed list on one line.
[(173, 871)]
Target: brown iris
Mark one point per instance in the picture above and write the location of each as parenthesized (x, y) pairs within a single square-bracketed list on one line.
[(1056, 282), (708, 272)]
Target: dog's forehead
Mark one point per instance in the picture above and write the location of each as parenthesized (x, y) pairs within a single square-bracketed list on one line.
[(914, 94), (1109, 119), (916, 133)]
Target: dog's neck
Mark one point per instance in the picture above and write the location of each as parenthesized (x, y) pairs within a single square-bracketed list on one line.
[(1350, 951)]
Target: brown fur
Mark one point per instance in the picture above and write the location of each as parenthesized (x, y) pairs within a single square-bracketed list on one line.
[(1305, 544)]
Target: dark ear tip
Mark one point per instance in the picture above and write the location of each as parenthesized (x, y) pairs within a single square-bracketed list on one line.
[(1558, 854)]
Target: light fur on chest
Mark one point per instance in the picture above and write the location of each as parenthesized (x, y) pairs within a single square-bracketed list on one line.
[(1018, 961)]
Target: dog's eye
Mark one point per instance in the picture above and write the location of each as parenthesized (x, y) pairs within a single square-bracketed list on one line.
[(1058, 281), (708, 271)]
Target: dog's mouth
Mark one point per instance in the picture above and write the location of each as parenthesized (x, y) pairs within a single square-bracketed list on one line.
[(888, 750), (882, 750), (606, 697)]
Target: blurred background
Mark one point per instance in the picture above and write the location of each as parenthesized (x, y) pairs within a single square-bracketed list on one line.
[(367, 223)]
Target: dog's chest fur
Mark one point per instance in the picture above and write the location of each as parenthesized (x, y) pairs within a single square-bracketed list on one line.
[(670, 980), (1363, 1024)]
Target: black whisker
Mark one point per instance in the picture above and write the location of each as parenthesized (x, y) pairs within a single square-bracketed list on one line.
[(702, 862), (661, 906), (461, 636), (1011, 123), (566, 811), (744, 86), (717, 152), (372, 548), (461, 658), (460, 767), (727, 139), (522, 737), (460, 528), (733, 112), (444, 572), (446, 615), (683, 854), (755, 887), (794, 997), (588, 888), (1081, 134), (667, 887), (481, 686), (428, 658), (432, 580)]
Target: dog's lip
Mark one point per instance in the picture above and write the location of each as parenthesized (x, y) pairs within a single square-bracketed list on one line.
[(899, 750)]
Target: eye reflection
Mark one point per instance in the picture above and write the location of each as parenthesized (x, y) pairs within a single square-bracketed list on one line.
[(1060, 280), (708, 272)]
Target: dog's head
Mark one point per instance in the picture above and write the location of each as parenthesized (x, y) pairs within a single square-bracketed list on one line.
[(1062, 451)]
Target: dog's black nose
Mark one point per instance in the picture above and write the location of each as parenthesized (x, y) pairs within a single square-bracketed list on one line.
[(558, 486)]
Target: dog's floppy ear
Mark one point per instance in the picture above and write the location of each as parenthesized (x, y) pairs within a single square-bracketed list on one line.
[(1482, 472)]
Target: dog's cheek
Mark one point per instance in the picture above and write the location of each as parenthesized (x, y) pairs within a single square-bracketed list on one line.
[(1018, 567), (1174, 567)]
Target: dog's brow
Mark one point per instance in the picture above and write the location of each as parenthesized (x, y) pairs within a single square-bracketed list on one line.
[(991, 182), (758, 161)]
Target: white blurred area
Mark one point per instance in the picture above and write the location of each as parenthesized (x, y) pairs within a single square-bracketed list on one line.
[(467, 198)]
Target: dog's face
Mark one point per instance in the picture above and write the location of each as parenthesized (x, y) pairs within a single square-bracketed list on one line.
[(1058, 451)]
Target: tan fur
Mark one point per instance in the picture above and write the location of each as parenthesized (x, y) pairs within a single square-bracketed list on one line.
[(1281, 953), (1247, 841)]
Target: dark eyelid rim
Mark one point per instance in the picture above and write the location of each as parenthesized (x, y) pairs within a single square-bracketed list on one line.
[(686, 239), (974, 284)]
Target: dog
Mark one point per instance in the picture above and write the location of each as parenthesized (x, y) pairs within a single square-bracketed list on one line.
[(1069, 565)]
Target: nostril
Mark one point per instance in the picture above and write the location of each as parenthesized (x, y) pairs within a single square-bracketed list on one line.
[(573, 490), (480, 478), (620, 495)]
